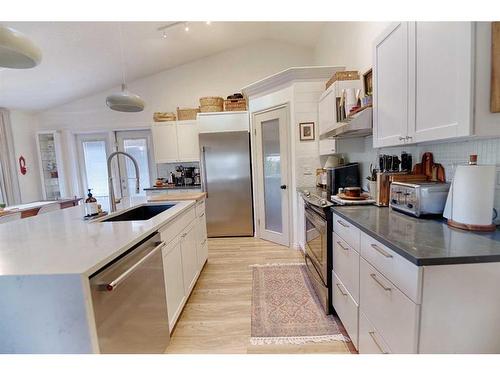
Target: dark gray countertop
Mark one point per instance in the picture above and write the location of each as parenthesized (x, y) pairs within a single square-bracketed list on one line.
[(185, 187), (424, 242)]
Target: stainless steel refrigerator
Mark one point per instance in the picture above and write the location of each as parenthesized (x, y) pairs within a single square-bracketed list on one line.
[(226, 178)]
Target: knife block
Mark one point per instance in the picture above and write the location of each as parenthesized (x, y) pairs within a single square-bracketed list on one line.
[(384, 180)]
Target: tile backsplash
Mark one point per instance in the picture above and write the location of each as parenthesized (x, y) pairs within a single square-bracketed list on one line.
[(449, 154)]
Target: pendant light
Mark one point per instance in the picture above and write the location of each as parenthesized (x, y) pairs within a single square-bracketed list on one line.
[(124, 101), (17, 51)]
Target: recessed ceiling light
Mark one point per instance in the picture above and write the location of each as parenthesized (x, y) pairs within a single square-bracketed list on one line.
[(208, 22), (186, 27), (164, 36)]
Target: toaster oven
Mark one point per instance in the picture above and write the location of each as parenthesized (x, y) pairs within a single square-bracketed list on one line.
[(417, 199)]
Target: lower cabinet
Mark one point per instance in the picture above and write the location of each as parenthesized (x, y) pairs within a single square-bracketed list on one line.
[(183, 258), (174, 280), (346, 308), (370, 341), (190, 266)]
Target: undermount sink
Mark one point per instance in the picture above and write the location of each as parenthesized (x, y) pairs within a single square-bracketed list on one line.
[(140, 213)]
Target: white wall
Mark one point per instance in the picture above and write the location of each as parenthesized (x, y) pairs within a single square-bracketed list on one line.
[(221, 75), (348, 44), (24, 127)]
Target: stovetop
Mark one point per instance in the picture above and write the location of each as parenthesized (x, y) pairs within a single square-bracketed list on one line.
[(316, 196)]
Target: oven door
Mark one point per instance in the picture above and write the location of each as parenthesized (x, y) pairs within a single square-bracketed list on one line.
[(316, 241)]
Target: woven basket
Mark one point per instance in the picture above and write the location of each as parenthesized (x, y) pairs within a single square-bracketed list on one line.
[(235, 105), (211, 101), (347, 75), (211, 108), (187, 113), (163, 116)]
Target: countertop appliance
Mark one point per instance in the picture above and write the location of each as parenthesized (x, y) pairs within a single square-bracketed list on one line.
[(129, 300), (342, 176), (226, 179), (318, 239), (417, 199)]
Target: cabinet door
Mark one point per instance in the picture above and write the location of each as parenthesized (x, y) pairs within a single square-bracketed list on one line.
[(440, 62), (174, 280), (327, 146), (326, 110), (189, 256), (390, 87), (187, 137), (165, 142), (202, 241)]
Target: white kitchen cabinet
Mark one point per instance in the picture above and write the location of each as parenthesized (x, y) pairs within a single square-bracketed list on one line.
[(327, 104), (423, 81), (390, 86), (189, 242), (174, 280), (441, 80), (370, 341), (202, 234), (346, 308), (327, 146), (175, 141), (165, 142), (187, 141)]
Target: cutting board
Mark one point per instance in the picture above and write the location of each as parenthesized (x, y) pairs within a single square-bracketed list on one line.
[(177, 197), (433, 171), (495, 67)]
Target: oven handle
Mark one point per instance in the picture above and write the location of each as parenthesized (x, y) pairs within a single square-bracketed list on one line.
[(116, 282), (316, 219), (307, 258)]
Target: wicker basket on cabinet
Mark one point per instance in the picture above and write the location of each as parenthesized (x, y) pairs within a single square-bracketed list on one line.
[(164, 116), (235, 105), (187, 113), (211, 104)]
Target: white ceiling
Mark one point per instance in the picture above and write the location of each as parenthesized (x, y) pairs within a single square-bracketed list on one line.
[(82, 58)]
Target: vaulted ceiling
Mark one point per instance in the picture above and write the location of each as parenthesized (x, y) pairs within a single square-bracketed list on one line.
[(82, 58)]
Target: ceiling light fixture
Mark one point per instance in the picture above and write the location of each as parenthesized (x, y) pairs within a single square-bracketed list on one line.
[(208, 23), (17, 51), (186, 27), (164, 36), (124, 101)]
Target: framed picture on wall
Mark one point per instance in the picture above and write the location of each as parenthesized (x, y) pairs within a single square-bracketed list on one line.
[(306, 131), (368, 83)]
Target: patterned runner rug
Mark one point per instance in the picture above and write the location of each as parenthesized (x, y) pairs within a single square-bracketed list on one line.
[(285, 309)]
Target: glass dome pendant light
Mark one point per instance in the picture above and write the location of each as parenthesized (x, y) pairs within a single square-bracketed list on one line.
[(17, 51), (124, 100)]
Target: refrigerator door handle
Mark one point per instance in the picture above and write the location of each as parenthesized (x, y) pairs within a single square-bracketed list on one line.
[(204, 184)]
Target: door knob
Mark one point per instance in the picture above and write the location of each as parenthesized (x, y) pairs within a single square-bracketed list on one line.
[(283, 187)]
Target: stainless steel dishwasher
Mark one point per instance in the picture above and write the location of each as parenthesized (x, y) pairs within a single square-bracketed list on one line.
[(129, 300)]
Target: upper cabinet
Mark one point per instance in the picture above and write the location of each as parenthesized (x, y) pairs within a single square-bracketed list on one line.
[(175, 141), (423, 82), (390, 87)]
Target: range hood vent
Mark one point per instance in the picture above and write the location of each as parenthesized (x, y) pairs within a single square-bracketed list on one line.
[(357, 125)]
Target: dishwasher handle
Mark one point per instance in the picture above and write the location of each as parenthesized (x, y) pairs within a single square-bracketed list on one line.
[(109, 287)]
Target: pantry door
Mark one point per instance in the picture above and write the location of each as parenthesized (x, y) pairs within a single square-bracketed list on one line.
[(272, 175), (136, 143)]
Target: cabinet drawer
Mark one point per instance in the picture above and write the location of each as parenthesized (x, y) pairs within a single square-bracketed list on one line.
[(370, 341), (173, 228), (346, 308), (200, 208), (393, 314), (346, 231), (401, 272), (346, 265)]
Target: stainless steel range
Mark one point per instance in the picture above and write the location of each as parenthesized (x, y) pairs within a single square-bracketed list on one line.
[(318, 239)]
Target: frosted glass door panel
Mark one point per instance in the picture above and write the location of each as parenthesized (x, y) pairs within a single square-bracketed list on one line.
[(94, 154), (272, 174), (49, 166), (138, 148)]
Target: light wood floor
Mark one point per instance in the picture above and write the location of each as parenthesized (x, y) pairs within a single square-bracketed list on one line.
[(216, 318)]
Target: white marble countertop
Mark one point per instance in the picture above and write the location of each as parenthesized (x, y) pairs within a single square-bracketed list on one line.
[(61, 242)]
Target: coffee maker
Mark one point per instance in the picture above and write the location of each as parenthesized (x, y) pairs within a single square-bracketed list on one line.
[(189, 176)]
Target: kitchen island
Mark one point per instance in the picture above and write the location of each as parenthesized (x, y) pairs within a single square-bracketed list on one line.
[(46, 262), (414, 285)]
